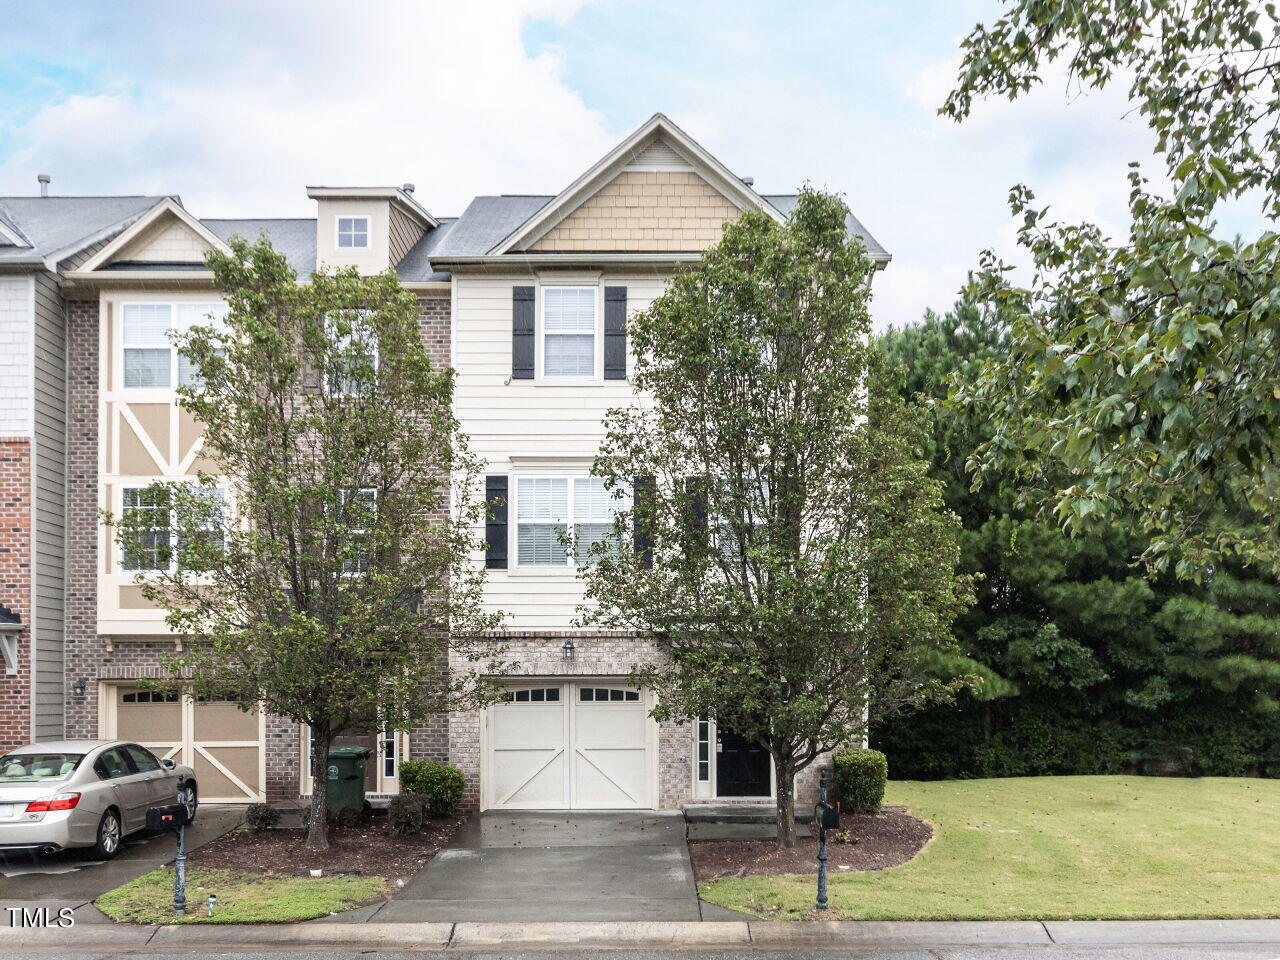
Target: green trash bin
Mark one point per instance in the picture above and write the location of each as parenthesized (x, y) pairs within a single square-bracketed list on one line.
[(346, 781)]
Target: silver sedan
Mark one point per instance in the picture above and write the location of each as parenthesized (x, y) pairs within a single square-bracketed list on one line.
[(85, 793)]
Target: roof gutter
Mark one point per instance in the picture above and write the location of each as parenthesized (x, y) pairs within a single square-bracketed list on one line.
[(570, 259), (566, 259)]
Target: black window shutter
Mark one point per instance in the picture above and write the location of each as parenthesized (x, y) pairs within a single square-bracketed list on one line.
[(522, 352), (615, 333), (696, 494), (642, 536), (495, 524)]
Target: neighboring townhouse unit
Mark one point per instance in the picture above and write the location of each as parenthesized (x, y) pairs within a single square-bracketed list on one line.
[(527, 297), (41, 238)]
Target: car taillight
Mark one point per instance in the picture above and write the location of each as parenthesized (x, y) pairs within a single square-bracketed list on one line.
[(59, 801)]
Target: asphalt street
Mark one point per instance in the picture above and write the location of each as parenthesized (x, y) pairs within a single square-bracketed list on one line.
[(1138, 952)]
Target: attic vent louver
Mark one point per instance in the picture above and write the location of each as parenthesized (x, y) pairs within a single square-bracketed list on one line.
[(658, 155)]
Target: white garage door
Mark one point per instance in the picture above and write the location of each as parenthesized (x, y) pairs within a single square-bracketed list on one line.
[(217, 739), (581, 745)]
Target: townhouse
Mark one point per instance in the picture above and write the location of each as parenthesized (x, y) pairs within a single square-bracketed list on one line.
[(527, 297)]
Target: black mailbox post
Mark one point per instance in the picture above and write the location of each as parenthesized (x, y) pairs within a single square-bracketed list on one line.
[(175, 817), (825, 817), (169, 817)]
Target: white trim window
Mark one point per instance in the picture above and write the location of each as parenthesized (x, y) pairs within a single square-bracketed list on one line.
[(149, 359), (351, 233), (570, 316), (357, 353), (390, 744), (149, 508), (550, 509), (364, 506), (703, 744), (160, 543)]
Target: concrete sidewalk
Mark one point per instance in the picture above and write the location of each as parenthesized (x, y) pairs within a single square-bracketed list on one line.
[(835, 934)]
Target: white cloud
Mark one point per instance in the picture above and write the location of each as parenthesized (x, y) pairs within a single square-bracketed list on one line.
[(238, 122), (238, 105)]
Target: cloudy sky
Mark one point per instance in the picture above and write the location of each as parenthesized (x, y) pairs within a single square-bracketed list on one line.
[(237, 105)]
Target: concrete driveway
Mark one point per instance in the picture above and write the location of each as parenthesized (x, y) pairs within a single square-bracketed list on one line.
[(71, 879), (555, 866)]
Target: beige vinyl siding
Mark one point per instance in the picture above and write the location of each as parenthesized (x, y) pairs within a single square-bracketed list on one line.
[(509, 421), (168, 239), (405, 232), (49, 531)]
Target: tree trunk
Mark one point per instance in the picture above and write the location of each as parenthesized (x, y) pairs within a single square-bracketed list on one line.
[(786, 804), (318, 827)]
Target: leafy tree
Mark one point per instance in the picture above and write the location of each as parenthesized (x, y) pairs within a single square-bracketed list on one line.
[(1082, 663), (1227, 637), (1044, 601), (324, 585), (794, 563), (1142, 376)]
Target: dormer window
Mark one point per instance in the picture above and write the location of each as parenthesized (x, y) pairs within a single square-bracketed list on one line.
[(353, 233)]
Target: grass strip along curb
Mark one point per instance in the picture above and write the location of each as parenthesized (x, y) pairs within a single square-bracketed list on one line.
[(242, 897)]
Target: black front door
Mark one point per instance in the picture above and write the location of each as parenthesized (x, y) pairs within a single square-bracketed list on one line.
[(742, 767)]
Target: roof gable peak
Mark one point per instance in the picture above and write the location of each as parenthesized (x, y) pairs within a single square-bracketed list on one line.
[(166, 209), (656, 145)]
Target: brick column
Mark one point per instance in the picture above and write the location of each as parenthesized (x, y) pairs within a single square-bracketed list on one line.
[(15, 585)]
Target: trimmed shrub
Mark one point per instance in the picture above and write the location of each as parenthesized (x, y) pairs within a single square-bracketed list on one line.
[(439, 783), (262, 816), (860, 777), (407, 813)]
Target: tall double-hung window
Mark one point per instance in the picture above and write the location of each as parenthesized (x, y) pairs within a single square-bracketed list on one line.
[(551, 510), (569, 332), (151, 361)]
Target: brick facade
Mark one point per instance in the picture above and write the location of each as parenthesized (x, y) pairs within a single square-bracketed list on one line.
[(92, 657), (15, 585)]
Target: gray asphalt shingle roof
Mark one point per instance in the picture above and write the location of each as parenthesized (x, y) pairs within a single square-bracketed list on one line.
[(489, 220), (786, 202), (416, 264), (295, 238), (486, 221), (53, 224), (56, 223)]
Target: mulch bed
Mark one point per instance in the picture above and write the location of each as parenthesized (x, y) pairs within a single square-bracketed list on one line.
[(370, 849), (886, 839)]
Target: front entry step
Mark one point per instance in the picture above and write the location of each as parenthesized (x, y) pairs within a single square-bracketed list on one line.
[(741, 813)]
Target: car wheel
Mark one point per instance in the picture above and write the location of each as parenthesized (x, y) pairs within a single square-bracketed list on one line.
[(109, 835), (190, 800)]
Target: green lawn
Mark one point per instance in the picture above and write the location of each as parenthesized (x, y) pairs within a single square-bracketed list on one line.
[(242, 897), (1059, 848)]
